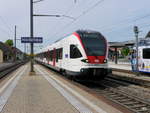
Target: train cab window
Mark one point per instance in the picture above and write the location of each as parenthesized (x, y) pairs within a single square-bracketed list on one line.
[(146, 53), (94, 44), (74, 52)]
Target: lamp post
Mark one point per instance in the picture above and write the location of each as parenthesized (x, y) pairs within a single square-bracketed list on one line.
[(31, 34), (136, 31), (15, 42)]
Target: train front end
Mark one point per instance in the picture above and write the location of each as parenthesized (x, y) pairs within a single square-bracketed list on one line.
[(96, 49)]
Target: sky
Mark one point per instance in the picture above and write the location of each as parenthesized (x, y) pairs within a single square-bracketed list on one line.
[(115, 19)]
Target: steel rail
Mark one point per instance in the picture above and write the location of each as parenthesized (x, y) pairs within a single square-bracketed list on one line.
[(10, 68)]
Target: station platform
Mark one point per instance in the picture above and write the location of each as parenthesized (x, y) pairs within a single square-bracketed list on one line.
[(120, 65), (143, 79), (46, 92)]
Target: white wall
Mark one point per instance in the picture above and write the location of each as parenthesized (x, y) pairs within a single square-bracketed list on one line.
[(1, 56)]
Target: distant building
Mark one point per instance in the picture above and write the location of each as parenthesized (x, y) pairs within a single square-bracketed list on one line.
[(7, 53), (115, 47), (19, 53), (1, 56)]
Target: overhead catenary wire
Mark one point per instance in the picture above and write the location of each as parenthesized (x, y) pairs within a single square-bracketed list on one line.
[(4, 31), (128, 23), (70, 9), (110, 27), (139, 18), (6, 25), (82, 14), (91, 8), (125, 23), (125, 26)]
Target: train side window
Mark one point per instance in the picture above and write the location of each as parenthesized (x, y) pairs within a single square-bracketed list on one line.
[(74, 52), (146, 53), (51, 55), (60, 53), (57, 55)]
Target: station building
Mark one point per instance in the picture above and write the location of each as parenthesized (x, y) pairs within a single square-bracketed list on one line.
[(115, 47), (7, 53)]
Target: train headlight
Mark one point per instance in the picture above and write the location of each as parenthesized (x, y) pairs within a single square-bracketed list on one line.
[(105, 60), (85, 60)]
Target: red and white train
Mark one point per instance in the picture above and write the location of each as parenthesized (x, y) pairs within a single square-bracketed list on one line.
[(83, 53)]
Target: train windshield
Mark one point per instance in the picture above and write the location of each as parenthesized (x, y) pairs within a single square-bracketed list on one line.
[(94, 44), (144, 42), (146, 53)]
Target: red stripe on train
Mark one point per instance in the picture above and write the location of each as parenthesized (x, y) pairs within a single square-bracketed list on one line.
[(96, 59)]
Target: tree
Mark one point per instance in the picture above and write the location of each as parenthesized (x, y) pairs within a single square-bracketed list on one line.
[(9, 42), (125, 51)]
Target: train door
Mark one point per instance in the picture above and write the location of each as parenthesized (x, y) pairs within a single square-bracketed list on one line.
[(75, 58), (65, 55), (60, 53)]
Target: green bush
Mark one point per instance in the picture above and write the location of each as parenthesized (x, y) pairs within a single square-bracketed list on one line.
[(125, 51)]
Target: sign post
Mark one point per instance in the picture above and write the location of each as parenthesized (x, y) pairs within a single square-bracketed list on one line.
[(31, 33), (32, 40), (136, 31)]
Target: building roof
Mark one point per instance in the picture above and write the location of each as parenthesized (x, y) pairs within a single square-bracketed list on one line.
[(5, 48), (123, 44), (116, 44), (17, 50), (148, 35)]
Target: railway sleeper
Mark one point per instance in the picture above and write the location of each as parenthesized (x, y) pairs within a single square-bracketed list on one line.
[(120, 98), (125, 100), (112, 95), (139, 106), (143, 110), (115, 94), (131, 103), (123, 93)]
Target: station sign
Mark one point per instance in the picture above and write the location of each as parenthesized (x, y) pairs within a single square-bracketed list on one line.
[(31, 40)]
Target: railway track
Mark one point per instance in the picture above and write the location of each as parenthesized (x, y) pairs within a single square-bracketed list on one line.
[(8, 69), (131, 77), (115, 90), (121, 96)]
